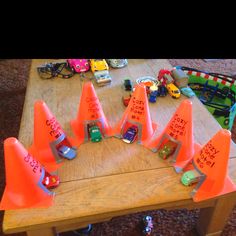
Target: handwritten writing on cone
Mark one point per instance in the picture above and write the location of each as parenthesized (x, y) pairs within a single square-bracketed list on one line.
[(137, 109)]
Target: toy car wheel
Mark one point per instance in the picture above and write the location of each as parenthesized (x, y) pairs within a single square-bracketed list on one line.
[(83, 231)]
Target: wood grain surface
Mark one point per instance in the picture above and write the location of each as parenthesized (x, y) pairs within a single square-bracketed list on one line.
[(109, 178)]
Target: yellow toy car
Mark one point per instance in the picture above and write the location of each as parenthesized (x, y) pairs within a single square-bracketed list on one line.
[(98, 65), (173, 90)]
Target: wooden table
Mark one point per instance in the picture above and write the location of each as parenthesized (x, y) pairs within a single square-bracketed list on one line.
[(111, 178)]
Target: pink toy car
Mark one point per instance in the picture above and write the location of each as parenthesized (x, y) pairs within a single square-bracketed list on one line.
[(78, 65)]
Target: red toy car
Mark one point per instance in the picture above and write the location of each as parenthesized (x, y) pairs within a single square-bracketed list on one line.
[(50, 181), (126, 100)]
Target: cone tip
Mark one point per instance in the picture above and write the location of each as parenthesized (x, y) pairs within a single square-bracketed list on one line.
[(187, 102), (39, 103), (225, 132), (10, 141)]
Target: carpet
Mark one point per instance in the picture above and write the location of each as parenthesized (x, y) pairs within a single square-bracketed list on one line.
[(13, 80)]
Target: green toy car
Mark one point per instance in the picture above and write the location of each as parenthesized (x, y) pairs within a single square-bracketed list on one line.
[(167, 150), (190, 177), (95, 133)]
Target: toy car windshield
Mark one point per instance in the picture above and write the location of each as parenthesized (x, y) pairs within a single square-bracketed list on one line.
[(130, 135), (67, 152)]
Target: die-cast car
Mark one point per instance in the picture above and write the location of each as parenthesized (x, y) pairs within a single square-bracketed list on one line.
[(117, 63), (187, 91), (50, 181), (102, 77), (162, 91), (128, 84), (95, 133), (153, 96), (66, 152), (131, 134), (167, 150), (173, 90), (78, 65), (190, 177), (98, 64), (148, 225), (126, 100)]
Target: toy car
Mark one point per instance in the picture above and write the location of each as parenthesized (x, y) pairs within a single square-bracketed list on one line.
[(190, 177), (148, 225), (167, 150), (173, 90), (128, 85), (187, 91), (131, 134), (162, 91), (126, 100), (98, 64), (50, 181), (66, 152), (153, 96), (102, 77), (78, 65), (117, 63), (95, 133)]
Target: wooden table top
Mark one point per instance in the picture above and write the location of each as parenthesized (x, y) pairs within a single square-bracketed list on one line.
[(108, 178)]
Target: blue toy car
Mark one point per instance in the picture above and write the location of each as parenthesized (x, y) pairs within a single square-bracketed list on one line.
[(67, 152), (153, 96), (131, 134), (187, 91)]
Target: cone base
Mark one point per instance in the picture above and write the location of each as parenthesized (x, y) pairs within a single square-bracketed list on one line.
[(183, 165), (43, 155), (200, 195), (9, 202)]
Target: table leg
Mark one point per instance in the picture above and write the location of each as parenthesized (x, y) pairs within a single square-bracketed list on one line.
[(212, 220), (42, 232)]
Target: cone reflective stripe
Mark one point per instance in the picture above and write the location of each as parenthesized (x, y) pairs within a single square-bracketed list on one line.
[(180, 130), (212, 162), (24, 175), (47, 135), (137, 113), (90, 111)]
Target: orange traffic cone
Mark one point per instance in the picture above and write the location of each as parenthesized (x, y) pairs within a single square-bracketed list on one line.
[(179, 130), (89, 112), (212, 161), (48, 135), (137, 113), (24, 175)]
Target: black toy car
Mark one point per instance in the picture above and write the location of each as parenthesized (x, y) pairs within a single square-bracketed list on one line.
[(162, 91), (128, 85)]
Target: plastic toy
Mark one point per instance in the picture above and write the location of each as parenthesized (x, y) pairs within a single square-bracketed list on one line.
[(212, 162), (162, 91), (24, 175), (148, 225), (167, 150), (173, 90), (131, 134), (147, 81), (84, 231), (52, 70), (180, 78), (78, 65), (98, 64), (89, 111), (102, 77), (163, 80), (190, 177), (180, 130), (128, 85), (137, 113), (126, 100), (67, 152), (48, 137), (153, 96), (50, 181), (95, 133), (187, 91), (117, 63)]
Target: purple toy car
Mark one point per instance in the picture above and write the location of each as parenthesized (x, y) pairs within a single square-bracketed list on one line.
[(131, 134), (78, 65)]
